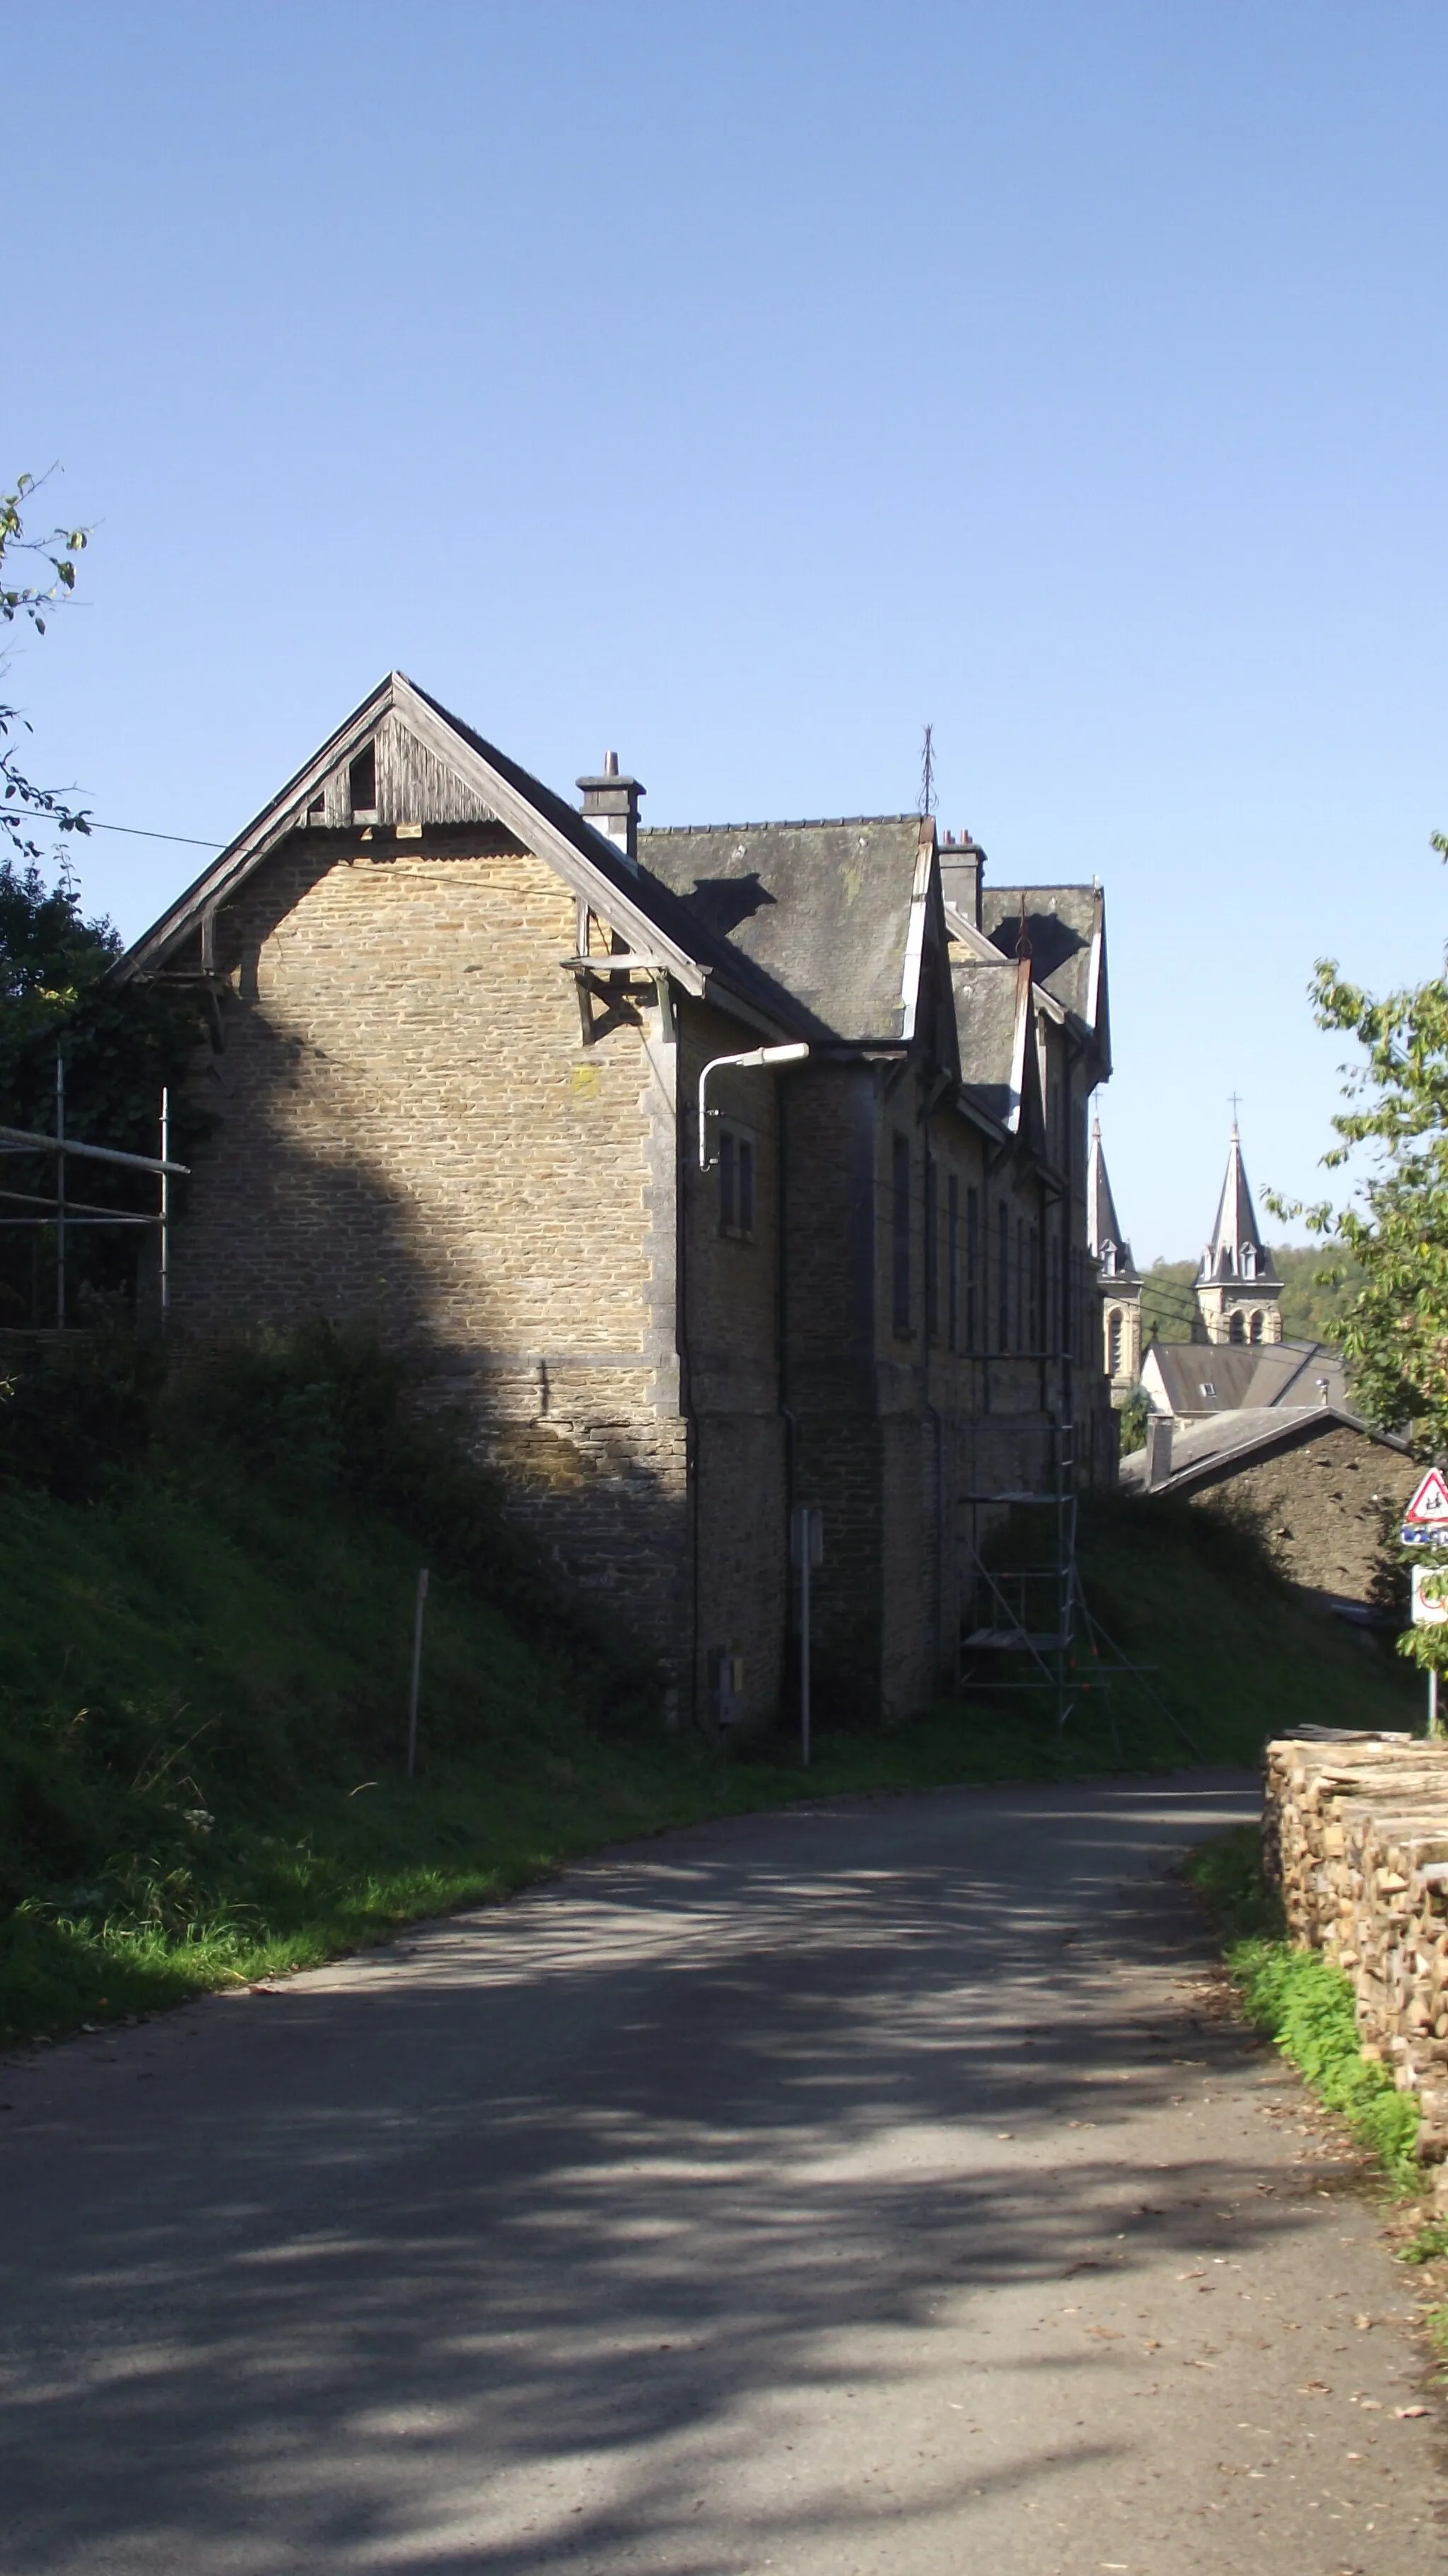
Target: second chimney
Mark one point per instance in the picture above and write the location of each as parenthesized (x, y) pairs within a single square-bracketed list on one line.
[(611, 805), (962, 864), (1158, 1450)]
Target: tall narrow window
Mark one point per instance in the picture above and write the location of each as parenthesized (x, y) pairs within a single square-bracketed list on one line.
[(1033, 1292), (972, 1270), (900, 1233), (952, 1263), (1055, 1299), (728, 1182), (1003, 1279), (932, 1249), (362, 781), (1113, 1343), (1021, 1342)]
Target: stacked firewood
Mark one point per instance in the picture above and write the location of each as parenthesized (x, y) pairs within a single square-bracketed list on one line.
[(1356, 1835)]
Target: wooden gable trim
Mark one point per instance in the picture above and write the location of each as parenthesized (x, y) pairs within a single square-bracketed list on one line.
[(590, 881)]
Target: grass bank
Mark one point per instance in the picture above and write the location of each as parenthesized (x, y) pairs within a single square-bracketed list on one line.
[(207, 1620), (1302, 2002)]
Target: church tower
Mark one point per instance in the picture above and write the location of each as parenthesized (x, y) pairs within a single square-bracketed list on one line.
[(1238, 1298), (1117, 1278)]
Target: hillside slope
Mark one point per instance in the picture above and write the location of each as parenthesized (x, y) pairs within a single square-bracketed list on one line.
[(203, 1703)]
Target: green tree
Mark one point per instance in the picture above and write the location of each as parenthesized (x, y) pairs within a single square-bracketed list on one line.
[(24, 807), (120, 1046), (1395, 1330)]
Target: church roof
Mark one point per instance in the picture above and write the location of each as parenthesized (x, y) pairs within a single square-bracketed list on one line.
[(1236, 1231), (1198, 1378), (1103, 1225)]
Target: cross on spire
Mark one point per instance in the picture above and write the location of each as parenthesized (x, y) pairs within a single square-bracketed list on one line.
[(1236, 1100)]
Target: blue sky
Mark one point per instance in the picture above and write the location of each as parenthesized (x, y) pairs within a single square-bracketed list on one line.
[(740, 388)]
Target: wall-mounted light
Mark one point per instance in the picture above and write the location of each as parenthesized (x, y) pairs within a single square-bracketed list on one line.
[(716, 1064)]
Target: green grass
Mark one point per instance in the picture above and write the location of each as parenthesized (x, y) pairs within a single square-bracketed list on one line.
[(205, 1667), (1303, 2003)]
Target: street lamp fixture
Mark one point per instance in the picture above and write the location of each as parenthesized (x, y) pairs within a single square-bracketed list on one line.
[(716, 1064)]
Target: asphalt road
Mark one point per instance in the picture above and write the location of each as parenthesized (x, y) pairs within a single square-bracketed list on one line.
[(865, 2189)]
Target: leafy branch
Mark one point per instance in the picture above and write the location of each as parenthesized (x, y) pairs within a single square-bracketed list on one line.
[(22, 803)]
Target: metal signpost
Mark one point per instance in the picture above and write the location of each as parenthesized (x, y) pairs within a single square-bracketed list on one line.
[(806, 1550), (1425, 1524), (416, 1672)]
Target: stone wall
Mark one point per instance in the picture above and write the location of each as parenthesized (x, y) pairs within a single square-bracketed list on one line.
[(414, 1135), (1325, 1509)]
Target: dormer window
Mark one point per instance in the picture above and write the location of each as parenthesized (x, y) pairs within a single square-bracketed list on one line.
[(1249, 1262), (362, 785)]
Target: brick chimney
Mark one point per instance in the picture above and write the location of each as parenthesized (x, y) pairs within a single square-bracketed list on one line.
[(1158, 1450), (962, 865), (611, 805)]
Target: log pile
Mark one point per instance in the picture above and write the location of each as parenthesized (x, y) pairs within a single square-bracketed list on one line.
[(1356, 1836)]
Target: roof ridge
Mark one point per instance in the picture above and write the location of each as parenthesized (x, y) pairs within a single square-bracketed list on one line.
[(791, 823)]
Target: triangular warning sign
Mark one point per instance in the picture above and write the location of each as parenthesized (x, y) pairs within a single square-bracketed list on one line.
[(1429, 1506)]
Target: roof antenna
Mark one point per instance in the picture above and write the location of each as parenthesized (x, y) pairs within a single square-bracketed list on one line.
[(927, 799)]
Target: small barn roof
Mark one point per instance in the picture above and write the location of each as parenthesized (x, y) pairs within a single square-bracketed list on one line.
[(1202, 1452)]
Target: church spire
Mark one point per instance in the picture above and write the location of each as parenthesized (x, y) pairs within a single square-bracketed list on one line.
[(1104, 1228), (1239, 1297), (1117, 1278), (1236, 1249)]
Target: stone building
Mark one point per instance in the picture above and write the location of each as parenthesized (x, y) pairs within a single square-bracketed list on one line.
[(502, 1078)]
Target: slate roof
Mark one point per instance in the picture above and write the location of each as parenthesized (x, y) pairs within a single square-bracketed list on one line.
[(1061, 926), (1236, 1227), (986, 1015), (1202, 1450), (820, 911), (1245, 1375)]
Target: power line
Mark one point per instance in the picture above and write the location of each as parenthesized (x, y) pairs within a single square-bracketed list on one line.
[(135, 832)]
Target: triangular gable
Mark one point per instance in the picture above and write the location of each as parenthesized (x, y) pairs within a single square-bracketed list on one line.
[(420, 749)]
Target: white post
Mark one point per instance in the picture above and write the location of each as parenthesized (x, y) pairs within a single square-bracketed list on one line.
[(165, 1207), (60, 1194), (804, 1646), (416, 1673), (1433, 1726)]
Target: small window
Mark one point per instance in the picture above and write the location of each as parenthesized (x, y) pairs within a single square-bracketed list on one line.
[(1237, 1330), (1003, 1277), (932, 1249), (1113, 1343), (1255, 1331), (362, 781), (736, 1182), (1207, 1387), (900, 1233)]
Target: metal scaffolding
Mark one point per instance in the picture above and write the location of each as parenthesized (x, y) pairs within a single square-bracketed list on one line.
[(1039, 1611), (64, 1213)]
